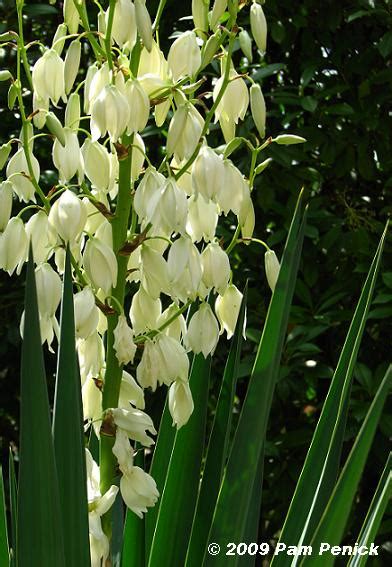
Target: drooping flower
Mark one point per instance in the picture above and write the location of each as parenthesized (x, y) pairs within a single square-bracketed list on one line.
[(124, 345)]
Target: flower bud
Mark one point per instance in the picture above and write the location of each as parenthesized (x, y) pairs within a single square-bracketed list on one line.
[(42, 236), (207, 173), (144, 312), (218, 10), (177, 328), (138, 490), (184, 57), (58, 41), (71, 65), (200, 16), (130, 392), (68, 216), (257, 106), (246, 44), (5, 151), (288, 139), (97, 165), (55, 127), (5, 203), (124, 346), (13, 246), (227, 308), (210, 48), (203, 331), (68, 159), (138, 156), (216, 267), (184, 132), (71, 16), (272, 268), (124, 29), (184, 267), (87, 91), (72, 112), (247, 219), (100, 264), (40, 109), (258, 26), (202, 219), (143, 23), (48, 289), (86, 313), (139, 104), (48, 76), (180, 402), (18, 174), (109, 113)]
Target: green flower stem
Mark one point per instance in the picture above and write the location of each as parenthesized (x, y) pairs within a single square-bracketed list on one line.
[(155, 332), (25, 122), (113, 374), (108, 35), (81, 8), (161, 7), (211, 112), (21, 45)]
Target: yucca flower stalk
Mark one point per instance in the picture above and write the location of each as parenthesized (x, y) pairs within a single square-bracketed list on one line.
[(114, 222)]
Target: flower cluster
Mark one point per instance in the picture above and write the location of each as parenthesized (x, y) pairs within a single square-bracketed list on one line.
[(130, 224)]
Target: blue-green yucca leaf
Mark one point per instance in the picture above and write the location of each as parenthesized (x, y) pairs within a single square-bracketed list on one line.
[(69, 436), (4, 550), (217, 448), (178, 500), (231, 513), (40, 540), (158, 470), (13, 494), (321, 468), (334, 519), (377, 507)]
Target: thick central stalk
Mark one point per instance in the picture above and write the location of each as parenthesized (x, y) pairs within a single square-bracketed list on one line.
[(113, 374)]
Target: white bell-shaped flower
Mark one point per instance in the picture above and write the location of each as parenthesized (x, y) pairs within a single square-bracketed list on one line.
[(144, 312), (5, 203), (171, 210), (153, 272), (164, 360), (40, 109), (124, 30), (207, 174), (233, 104), (48, 76), (13, 246), (130, 392), (138, 490), (18, 174), (184, 268), (200, 17), (217, 12), (91, 354), (68, 159), (203, 331), (234, 191), (227, 308), (216, 267), (109, 113), (272, 268), (86, 313), (100, 264), (180, 402), (124, 345), (138, 157), (139, 105), (184, 57), (92, 402), (68, 216), (135, 423), (97, 164), (153, 65), (49, 288), (147, 195), (184, 133), (202, 219)]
